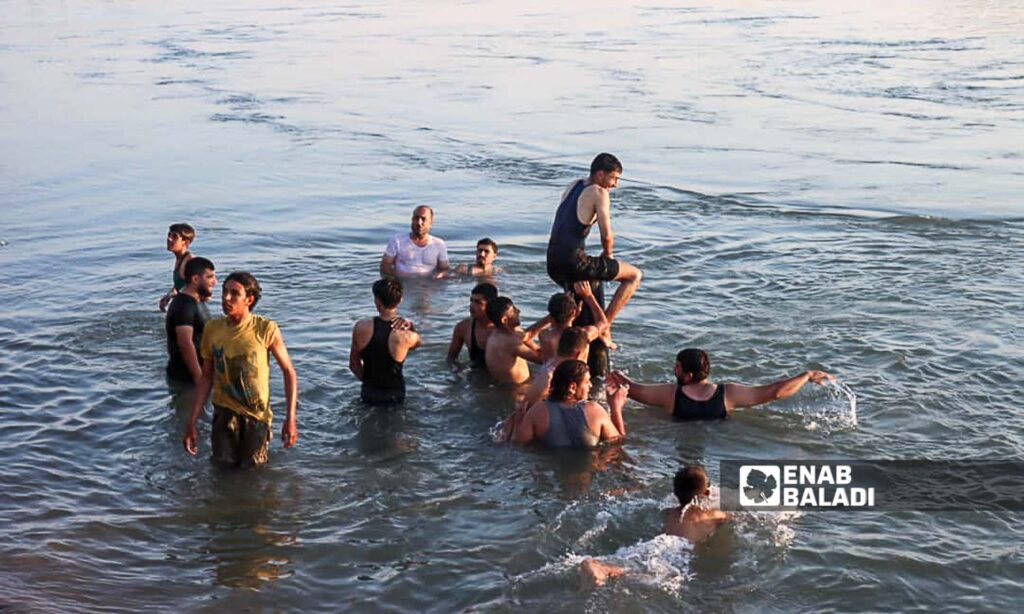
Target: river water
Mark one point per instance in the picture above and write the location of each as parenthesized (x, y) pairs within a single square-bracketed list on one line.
[(812, 184)]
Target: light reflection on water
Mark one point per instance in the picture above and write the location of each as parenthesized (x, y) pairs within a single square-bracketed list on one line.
[(800, 184)]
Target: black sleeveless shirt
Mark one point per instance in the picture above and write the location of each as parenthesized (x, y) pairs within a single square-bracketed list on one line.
[(383, 381), (568, 235), (687, 409)]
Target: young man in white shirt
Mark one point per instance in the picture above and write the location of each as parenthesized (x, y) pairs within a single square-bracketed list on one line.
[(416, 254)]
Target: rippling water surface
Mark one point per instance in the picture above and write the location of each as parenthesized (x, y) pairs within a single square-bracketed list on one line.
[(807, 184)]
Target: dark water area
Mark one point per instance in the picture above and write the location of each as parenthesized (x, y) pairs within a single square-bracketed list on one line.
[(807, 185)]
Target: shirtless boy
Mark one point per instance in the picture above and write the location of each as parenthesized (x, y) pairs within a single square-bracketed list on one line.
[(564, 309), (509, 347), (691, 522)]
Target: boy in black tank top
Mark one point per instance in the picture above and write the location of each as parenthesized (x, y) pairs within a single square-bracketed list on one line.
[(473, 331), (380, 346)]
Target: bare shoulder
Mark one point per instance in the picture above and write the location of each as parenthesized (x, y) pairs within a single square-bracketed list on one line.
[(462, 328)]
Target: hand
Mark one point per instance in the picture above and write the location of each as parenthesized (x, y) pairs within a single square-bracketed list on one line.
[(289, 433), (190, 439), (401, 323), (819, 377), (617, 393), (618, 378), (582, 289), (165, 300)]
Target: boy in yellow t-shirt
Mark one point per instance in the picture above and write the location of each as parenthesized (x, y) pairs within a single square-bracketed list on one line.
[(236, 368)]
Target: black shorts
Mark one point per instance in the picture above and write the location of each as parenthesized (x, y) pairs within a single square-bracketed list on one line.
[(238, 440), (580, 267), (382, 396)]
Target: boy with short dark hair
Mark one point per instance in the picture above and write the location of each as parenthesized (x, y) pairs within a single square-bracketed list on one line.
[(179, 238), (483, 266)]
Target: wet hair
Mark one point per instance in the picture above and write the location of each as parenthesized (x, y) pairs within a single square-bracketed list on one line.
[(427, 207), (185, 231), (249, 284), (196, 266), (562, 306), (572, 341), (605, 162), (695, 362), (568, 372), (690, 482), (388, 292), (486, 290), (488, 241), (497, 308)]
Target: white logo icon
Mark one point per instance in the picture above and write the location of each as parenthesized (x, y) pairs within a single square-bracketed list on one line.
[(760, 486)]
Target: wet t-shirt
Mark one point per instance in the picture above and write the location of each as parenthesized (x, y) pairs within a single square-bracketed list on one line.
[(241, 376), (183, 311), (411, 259)]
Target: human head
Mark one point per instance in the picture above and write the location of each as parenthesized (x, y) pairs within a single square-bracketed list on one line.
[(479, 297), (503, 313), (199, 275), (387, 293), (563, 308), (573, 343), (180, 236), (570, 381), (605, 170), (486, 252), (692, 366), (239, 294), (422, 220), (690, 482)]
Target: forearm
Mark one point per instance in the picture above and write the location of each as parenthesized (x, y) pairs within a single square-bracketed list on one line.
[(789, 387), (188, 354), (537, 326), (600, 320), (608, 243), (291, 394), (356, 367), (620, 424), (202, 393)]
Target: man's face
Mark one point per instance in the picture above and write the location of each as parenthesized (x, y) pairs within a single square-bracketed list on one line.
[(512, 318), (583, 390), (485, 255), (205, 283), (233, 300), (422, 220), (175, 242), (477, 306), (607, 180)]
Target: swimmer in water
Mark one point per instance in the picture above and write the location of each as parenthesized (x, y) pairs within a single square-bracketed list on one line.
[(567, 419), (691, 522), (486, 254), (694, 397), (474, 331), (509, 346)]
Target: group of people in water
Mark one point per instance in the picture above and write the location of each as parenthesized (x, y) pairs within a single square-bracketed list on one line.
[(229, 356)]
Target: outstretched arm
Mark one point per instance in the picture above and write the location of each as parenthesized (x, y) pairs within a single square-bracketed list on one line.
[(659, 395), (289, 430), (737, 395)]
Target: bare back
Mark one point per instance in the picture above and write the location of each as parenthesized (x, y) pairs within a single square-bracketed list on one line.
[(503, 360)]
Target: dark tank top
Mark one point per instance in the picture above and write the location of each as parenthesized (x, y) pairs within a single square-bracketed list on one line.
[(176, 278), (476, 353), (568, 235), (686, 409), (383, 381), (567, 426)]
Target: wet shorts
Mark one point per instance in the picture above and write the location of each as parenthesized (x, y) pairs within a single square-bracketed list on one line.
[(382, 396), (238, 440), (580, 267)]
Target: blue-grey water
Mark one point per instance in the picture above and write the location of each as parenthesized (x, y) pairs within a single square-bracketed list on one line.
[(819, 184)]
